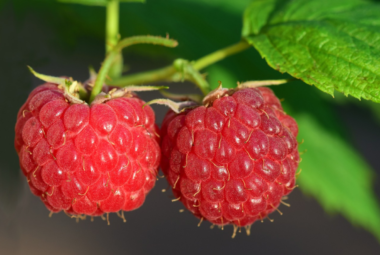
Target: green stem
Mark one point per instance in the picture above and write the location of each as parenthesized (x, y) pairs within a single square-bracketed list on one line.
[(146, 39), (219, 55), (200, 81), (167, 72), (100, 79), (144, 77), (190, 73), (112, 37)]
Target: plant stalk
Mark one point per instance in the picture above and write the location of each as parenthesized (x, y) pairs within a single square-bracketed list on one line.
[(167, 73), (112, 37), (144, 77), (107, 63), (219, 55)]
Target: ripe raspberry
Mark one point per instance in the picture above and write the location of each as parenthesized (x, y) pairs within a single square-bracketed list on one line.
[(232, 160), (87, 159)]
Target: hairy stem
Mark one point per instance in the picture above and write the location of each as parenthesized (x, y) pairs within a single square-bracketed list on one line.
[(144, 77), (167, 73), (219, 55), (100, 79), (188, 72), (112, 37)]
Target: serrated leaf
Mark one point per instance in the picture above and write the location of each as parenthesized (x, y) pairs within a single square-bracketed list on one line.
[(337, 176), (254, 22), (96, 2), (329, 44)]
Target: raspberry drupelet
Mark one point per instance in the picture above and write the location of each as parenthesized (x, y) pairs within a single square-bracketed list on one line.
[(231, 160), (87, 159)]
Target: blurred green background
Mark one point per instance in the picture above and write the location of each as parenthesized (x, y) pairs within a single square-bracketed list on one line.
[(340, 135)]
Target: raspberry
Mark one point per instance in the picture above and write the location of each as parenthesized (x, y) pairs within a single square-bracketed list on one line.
[(84, 159), (231, 160)]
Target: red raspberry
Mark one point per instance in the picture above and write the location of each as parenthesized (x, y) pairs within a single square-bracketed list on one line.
[(87, 159), (232, 160)]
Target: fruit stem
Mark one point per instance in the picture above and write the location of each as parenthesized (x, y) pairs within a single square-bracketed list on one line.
[(188, 72), (104, 69), (168, 73), (220, 54), (112, 37), (161, 74)]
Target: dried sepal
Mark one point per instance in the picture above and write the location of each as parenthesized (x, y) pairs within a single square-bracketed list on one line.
[(70, 87), (215, 94), (123, 92), (182, 97), (256, 84), (51, 79), (174, 106)]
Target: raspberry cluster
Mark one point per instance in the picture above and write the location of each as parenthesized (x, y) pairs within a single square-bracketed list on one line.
[(86, 159), (232, 160)]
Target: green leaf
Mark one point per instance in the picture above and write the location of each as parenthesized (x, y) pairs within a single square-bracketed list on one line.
[(337, 176), (96, 2), (331, 44), (256, 15)]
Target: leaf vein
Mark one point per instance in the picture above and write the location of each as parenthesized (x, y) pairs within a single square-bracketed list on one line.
[(361, 91)]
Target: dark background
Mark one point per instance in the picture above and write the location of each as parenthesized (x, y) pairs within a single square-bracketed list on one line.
[(157, 227)]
